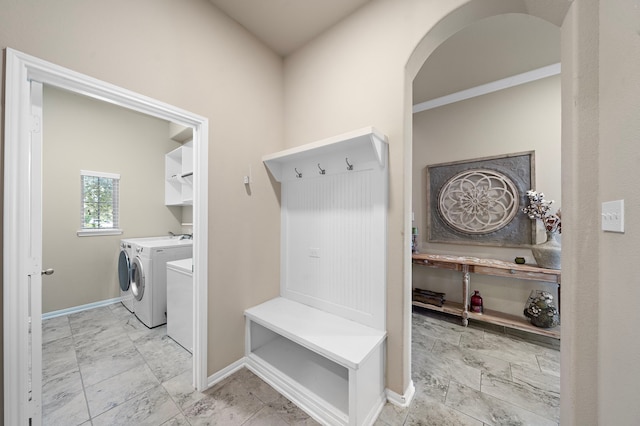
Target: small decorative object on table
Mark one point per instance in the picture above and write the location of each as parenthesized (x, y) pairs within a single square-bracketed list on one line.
[(429, 297), (541, 310), (547, 254), (519, 260), (476, 302)]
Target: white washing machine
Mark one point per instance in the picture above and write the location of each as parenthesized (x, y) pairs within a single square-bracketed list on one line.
[(149, 277), (180, 302), (125, 266), (125, 259)]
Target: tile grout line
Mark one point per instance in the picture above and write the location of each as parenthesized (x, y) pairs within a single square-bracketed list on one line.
[(161, 383), (84, 389)]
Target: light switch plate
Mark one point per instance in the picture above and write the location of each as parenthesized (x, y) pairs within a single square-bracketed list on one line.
[(613, 216)]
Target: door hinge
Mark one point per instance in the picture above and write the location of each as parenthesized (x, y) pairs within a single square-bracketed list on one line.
[(35, 124), (34, 268)]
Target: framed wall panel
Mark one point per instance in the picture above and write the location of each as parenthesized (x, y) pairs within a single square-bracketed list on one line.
[(479, 201)]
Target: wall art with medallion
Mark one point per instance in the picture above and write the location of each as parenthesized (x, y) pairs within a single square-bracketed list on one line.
[(477, 201)]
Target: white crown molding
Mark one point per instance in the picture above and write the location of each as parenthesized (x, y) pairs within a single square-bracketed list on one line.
[(494, 86)]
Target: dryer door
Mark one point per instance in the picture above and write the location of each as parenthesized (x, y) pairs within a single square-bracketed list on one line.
[(137, 279), (124, 270)]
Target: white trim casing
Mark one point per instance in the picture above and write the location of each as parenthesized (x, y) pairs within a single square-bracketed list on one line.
[(21, 70), (200, 252), (17, 264)]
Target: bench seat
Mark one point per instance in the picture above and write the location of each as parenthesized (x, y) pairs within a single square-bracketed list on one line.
[(329, 366)]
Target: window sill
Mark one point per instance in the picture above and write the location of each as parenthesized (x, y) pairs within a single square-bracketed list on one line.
[(98, 232)]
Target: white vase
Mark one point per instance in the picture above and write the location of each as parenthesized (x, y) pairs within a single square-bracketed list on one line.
[(548, 254)]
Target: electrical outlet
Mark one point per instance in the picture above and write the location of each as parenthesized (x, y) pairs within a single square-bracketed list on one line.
[(613, 216), (314, 252)]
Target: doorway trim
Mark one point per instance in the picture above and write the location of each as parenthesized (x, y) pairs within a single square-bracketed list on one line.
[(18, 262)]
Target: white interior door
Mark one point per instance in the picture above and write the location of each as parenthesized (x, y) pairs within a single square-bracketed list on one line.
[(22, 246), (35, 248)]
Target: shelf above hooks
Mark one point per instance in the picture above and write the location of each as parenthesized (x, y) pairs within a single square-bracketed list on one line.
[(363, 148)]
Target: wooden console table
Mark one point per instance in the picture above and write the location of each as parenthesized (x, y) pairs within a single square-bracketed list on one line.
[(468, 265)]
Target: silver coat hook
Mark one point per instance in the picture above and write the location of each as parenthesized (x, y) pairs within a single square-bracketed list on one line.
[(298, 174), (322, 171), (349, 165)]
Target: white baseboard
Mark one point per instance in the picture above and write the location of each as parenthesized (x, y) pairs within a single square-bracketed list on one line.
[(80, 308), (219, 376), (402, 400), (245, 362)]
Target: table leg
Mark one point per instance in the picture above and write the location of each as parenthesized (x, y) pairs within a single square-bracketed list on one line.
[(559, 296), (465, 294)]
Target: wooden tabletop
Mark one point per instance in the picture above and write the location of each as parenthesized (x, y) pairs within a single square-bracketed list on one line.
[(488, 266)]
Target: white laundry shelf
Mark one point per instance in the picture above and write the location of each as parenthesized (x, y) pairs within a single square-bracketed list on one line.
[(331, 367)]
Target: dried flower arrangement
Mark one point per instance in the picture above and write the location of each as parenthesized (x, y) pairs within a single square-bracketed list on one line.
[(539, 208)]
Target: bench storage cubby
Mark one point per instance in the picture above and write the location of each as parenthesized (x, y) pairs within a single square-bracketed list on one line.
[(329, 366)]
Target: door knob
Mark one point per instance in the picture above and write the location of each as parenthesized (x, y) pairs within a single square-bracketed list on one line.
[(48, 271)]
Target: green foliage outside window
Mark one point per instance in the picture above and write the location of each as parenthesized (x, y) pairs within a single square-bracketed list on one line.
[(99, 199)]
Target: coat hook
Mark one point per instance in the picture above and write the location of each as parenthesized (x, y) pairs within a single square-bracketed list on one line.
[(322, 171), (298, 174), (349, 165)]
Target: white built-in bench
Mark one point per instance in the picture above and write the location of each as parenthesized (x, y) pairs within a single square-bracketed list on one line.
[(322, 343), (331, 367)]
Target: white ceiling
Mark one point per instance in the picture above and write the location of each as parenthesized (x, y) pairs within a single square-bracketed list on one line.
[(488, 50)]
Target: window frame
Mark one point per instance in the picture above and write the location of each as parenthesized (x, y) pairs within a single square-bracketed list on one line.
[(92, 232)]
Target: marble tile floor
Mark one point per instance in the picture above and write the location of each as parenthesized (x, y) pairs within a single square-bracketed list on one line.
[(104, 367), (478, 376)]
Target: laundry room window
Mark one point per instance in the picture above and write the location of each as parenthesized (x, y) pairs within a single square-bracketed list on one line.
[(99, 209)]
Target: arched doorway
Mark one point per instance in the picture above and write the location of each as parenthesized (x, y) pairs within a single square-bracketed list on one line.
[(459, 19)]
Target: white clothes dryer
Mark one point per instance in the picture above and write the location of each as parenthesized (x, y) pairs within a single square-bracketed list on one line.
[(149, 277)]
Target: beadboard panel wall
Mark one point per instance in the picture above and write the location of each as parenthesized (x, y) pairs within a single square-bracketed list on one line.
[(334, 238)]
